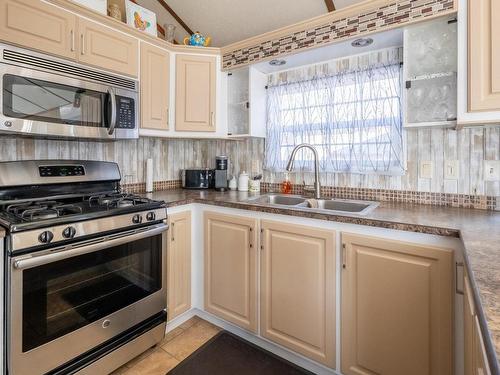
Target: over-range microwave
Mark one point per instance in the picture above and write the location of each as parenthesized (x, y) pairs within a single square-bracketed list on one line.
[(45, 96)]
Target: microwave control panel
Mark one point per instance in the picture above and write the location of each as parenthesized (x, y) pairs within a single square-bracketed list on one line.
[(125, 116)]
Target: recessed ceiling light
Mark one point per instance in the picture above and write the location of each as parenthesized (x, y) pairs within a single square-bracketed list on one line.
[(362, 42), (277, 62)]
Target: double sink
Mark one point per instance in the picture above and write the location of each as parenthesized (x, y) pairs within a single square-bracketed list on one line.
[(320, 205)]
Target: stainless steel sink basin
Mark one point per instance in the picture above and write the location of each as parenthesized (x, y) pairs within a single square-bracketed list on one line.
[(320, 205), (341, 205), (281, 200)]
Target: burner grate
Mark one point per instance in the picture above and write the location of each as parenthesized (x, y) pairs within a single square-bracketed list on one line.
[(32, 211)]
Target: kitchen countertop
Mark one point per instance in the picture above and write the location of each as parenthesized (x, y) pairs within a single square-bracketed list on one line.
[(478, 229)]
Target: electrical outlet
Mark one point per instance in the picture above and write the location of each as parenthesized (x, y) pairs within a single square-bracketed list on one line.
[(451, 169), (426, 169), (492, 170)]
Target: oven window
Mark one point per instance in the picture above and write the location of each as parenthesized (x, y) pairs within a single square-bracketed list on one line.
[(33, 99), (63, 296)]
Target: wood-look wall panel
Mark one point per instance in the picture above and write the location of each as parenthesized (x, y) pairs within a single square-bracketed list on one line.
[(469, 147)]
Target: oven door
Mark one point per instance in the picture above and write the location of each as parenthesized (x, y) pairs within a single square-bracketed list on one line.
[(64, 302), (47, 104)]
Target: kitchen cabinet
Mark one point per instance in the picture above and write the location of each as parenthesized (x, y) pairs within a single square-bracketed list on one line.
[(155, 87), (38, 25), (231, 268), (106, 48), (397, 308), (246, 103), (475, 361), (469, 314), (195, 93), (480, 362), (478, 101), (484, 55), (298, 289), (179, 264)]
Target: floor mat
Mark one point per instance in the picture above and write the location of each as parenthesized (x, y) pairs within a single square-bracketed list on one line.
[(226, 353)]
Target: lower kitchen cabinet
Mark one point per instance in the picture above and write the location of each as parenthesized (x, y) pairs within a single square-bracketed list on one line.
[(397, 308), (475, 361), (298, 289), (179, 264), (231, 268)]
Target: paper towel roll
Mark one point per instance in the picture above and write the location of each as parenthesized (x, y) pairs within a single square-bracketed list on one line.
[(149, 176)]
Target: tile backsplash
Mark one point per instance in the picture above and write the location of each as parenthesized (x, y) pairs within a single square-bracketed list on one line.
[(468, 147)]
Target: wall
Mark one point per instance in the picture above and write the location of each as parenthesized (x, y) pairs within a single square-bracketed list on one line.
[(169, 155), (469, 146)]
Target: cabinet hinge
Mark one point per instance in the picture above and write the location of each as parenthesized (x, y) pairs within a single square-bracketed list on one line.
[(344, 256)]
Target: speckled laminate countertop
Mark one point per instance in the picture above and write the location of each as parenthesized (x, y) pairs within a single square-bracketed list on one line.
[(478, 229)]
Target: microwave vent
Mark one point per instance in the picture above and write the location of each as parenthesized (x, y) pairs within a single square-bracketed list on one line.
[(52, 66)]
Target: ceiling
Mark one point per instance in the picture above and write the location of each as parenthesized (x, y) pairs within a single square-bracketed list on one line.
[(229, 21)]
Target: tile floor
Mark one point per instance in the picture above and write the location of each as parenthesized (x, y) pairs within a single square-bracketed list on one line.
[(177, 345)]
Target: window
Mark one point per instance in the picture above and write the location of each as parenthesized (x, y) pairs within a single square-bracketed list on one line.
[(353, 118)]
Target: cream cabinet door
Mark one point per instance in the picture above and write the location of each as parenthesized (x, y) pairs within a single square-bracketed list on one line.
[(298, 289), (397, 315), (468, 329), (179, 264), (155, 87), (480, 362), (107, 48), (231, 269), (484, 55), (38, 25), (195, 93)]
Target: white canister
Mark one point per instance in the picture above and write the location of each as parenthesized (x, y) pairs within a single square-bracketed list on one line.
[(233, 184), (243, 181)]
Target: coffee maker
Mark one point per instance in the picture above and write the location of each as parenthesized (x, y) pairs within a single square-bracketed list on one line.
[(221, 173)]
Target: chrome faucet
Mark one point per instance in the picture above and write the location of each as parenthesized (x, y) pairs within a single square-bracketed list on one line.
[(289, 166)]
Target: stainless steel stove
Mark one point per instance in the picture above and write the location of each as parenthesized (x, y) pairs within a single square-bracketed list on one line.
[(85, 267)]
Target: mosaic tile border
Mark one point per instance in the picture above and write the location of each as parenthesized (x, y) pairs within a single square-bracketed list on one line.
[(390, 15), (481, 202), (140, 187)]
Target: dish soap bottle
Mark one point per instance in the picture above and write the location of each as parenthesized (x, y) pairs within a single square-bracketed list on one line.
[(286, 185)]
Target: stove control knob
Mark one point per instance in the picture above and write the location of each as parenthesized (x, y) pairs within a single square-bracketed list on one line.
[(46, 237), (151, 216), (69, 232), (137, 219)]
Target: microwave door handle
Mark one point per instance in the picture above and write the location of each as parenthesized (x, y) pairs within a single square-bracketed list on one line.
[(112, 123), (96, 245)]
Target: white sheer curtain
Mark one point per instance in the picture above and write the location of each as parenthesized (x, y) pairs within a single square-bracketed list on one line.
[(349, 109)]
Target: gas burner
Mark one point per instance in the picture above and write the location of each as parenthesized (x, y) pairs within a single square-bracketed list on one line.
[(117, 200), (33, 211)]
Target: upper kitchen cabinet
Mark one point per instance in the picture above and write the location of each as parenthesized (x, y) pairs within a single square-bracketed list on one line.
[(484, 55), (246, 103), (397, 315), (38, 25), (430, 69), (196, 81), (155, 87), (108, 49), (479, 62)]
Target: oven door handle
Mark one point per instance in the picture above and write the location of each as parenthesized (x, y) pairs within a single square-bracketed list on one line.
[(75, 250)]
